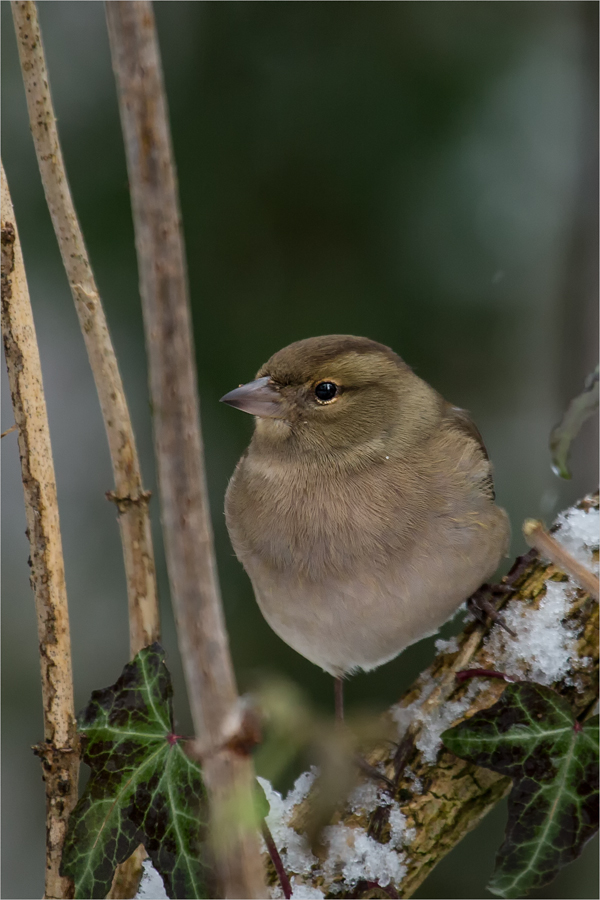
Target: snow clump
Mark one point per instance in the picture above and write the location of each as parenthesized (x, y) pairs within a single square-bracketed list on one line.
[(449, 646), (544, 646), (294, 850), (579, 533), (358, 857)]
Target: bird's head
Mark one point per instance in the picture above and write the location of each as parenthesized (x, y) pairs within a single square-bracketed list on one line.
[(334, 392)]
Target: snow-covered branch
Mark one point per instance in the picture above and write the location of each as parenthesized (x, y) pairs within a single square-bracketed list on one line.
[(397, 840)]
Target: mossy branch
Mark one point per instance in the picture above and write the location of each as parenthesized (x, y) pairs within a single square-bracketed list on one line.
[(454, 795)]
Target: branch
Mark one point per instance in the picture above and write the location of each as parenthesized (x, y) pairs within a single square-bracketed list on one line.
[(548, 547), (178, 441), (439, 797), (58, 752), (129, 495)]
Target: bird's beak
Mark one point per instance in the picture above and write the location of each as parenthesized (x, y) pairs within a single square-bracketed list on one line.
[(259, 398)]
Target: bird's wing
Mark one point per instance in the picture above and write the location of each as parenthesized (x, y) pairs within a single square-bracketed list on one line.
[(462, 421)]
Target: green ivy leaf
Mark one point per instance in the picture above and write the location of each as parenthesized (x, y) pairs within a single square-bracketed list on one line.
[(530, 734), (142, 788)]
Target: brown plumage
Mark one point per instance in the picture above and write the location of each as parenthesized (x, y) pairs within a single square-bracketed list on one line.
[(363, 509)]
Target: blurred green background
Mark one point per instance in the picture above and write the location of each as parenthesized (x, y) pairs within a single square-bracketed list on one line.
[(421, 173)]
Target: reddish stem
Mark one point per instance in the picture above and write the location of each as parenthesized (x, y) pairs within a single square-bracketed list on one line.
[(275, 857), (482, 673), (577, 727)]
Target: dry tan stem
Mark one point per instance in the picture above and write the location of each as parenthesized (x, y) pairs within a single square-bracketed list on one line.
[(547, 546), (127, 876), (455, 794), (129, 495), (58, 752), (178, 441)]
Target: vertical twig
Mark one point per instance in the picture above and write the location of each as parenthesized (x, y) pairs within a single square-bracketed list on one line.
[(58, 752), (184, 504), (129, 495)]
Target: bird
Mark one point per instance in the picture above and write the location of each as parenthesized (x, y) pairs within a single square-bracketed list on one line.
[(363, 509)]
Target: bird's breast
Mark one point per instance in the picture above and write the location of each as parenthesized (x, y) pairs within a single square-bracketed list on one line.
[(316, 520)]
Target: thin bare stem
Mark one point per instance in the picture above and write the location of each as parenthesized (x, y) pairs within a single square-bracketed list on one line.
[(284, 881), (548, 547), (129, 495), (58, 752), (128, 875), (184, 503)]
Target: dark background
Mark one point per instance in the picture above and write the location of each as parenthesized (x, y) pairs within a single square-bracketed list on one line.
[(421, 173)]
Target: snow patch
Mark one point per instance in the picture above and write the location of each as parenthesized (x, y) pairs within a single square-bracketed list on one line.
[(300, 891), (437, 721), (294, 849), (400, 835), (449, 646), (405, 715), (441, 718), (579, 533), (545, 645), (368, 797), (152, 886), (415, 782), (357, 857), (305, 891)]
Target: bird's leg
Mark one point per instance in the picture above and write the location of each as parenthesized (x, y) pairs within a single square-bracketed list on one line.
[(361, 763), (480, 606), (339, 698)]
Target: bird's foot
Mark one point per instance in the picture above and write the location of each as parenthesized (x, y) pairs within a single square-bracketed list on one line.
[(371, 772), (482, 607)]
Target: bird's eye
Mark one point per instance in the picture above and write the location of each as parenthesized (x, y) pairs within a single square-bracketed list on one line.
[(326, 391)]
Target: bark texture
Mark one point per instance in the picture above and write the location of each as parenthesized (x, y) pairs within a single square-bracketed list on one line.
[(58, 752), (178, 442)]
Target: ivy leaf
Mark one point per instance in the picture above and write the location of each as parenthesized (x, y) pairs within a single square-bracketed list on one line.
[(530, 734), (142, 788)]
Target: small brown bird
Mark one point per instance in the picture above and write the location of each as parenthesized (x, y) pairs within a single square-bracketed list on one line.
[(363, 509)]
